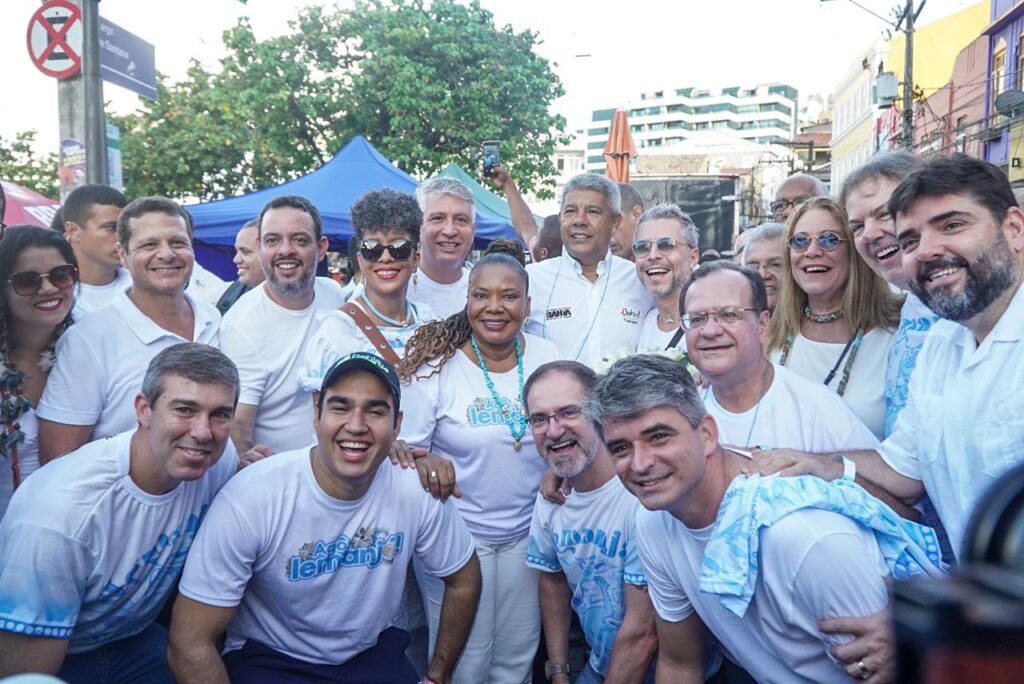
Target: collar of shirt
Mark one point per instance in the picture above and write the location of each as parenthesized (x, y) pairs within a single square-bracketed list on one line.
[(602, 267), (143, 327), (1007, 329)]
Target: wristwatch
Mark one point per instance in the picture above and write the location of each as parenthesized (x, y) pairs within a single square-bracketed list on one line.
[(551, 669)]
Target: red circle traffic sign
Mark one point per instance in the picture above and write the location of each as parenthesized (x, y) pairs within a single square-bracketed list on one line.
[(55, 38)]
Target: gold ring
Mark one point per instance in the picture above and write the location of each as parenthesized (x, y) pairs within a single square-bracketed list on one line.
[(862, 669), (433, 474)]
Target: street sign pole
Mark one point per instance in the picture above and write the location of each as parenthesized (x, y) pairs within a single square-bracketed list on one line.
[(95, 118)]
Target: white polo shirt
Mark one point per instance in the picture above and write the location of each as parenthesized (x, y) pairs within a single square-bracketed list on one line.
[(586, 320), (102, 359), (962, 426)]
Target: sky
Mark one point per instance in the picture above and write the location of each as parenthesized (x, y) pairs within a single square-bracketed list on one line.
[(605, 56)]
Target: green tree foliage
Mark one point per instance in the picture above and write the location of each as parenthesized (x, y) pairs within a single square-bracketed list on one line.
[(425, 82), (21, 164)]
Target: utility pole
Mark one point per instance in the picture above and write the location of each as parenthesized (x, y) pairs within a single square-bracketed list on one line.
[(95, 118), (909, 17)]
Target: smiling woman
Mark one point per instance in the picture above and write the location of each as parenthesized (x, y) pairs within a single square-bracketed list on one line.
[(835, 318), (38, 273), (465, 403)]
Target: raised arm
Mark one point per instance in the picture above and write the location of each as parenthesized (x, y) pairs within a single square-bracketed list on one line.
[(636, 641), (192, 651), (522, 217), (21, 654), (458, 609)]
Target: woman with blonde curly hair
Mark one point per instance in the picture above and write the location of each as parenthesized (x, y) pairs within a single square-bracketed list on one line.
[(465, 403), (835, 318)]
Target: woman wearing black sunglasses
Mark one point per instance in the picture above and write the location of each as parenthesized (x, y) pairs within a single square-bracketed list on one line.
[(835, 318), (38, 273)]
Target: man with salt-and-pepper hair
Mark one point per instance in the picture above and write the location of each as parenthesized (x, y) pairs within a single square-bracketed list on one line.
[(449, 227), (763, 253)]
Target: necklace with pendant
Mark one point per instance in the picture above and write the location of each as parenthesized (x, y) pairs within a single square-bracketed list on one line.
[(390, 321), (822, 318), (515, 420)]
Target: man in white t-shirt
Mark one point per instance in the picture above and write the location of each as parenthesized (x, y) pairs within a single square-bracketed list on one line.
[(92, 545), (809, 563), (585, 548), (303, 558), (101, 359), (90, 216), (588, 301), (665, 251), (449, 227), (265, 332)]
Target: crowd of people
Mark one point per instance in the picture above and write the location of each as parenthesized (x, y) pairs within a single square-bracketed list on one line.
[(715, 468)]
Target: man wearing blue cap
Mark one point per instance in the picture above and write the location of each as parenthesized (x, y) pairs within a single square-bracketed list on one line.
[(303, 558)]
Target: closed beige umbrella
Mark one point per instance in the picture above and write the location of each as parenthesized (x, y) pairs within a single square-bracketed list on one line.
[(619, 149)]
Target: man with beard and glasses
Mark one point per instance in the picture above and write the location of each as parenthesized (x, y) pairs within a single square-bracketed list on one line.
[(665, 252), (584, 548), (265, 332), (961, 235)]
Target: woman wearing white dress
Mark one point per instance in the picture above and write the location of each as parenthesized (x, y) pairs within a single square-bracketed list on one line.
[(835, 318), (465, 404), (38, 273)]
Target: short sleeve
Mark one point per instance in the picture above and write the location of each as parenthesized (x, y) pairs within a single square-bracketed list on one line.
[(252, 372), (43, 579), (540, 552), (76, 389), (335, 338), (419, 411), (444, 544), (633, 569), (669, 599), (899, 448), (220, 562)]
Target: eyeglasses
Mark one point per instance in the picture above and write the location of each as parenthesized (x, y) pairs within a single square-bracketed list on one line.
[(774, 265), (783, 204), (400, 250), (642, 248), (828, 241), (30, 282), (727, 316), (562, 416)]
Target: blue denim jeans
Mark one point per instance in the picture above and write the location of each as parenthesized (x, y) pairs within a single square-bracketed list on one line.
[(138, 659), (588, 675)]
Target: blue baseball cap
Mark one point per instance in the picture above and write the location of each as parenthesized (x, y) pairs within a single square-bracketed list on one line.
[(364, 361)]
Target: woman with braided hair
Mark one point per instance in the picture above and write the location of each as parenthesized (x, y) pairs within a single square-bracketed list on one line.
[(465, 403), (38, 273)]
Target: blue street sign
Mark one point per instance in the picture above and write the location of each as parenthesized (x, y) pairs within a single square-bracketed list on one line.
[(127, 60)]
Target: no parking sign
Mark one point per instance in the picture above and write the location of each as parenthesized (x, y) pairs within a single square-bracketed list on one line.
[(55, 39)]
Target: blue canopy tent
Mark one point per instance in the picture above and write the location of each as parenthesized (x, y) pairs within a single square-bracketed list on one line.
[(333, 189)]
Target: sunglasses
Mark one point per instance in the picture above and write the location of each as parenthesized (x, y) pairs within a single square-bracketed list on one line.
[(827, 241), (642, 248), (373, 250), (30, 282)]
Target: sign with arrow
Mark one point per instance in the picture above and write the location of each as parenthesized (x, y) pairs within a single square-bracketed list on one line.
[(127, 60)]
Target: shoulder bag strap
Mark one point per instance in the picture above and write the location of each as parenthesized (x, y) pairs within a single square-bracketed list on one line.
[(372, 332)]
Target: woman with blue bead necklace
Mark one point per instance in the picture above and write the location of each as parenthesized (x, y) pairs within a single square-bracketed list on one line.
[(466, 376), (387, 225)]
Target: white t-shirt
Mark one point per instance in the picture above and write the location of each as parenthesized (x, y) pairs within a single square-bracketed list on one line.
[(653, 338), (314, 577), (444, 300), (102, 359), (452, 414), (809, 561), (339, 335), (865, 391), (592, 540), (99, 563), (267, 342), (794, 413), (586, 320), (204, 285), (28, 458), (88, 298), (962, 426)]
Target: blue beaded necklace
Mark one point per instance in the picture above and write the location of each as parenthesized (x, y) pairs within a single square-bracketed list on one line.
[(390, 321), (515, 420)]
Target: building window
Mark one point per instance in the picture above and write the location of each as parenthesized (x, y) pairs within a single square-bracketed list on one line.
[(998, 72), (1020, 63), (560, 164)]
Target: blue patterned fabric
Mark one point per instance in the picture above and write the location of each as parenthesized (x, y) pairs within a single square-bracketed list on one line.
[(730, 566), (915, 321)]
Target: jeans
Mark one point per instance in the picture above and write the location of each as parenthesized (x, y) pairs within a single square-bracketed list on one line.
[(138, 659), (588, 675)]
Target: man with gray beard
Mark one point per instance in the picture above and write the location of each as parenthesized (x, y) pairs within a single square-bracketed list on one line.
[(584, 548), (264, 333)]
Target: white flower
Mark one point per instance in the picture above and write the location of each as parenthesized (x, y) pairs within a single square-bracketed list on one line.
[(46, 360)]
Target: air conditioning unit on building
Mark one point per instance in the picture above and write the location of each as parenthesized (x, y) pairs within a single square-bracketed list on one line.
[(885, 90)]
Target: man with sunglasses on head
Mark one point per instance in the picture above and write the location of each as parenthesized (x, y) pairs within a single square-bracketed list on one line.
[(665, 252), (265, 332), (102, 358), (793, 191)]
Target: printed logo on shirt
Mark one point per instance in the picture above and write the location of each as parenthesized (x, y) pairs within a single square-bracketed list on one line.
[(630, 315), (555, 314), (368, 547), (567, 540), (485, 412)]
